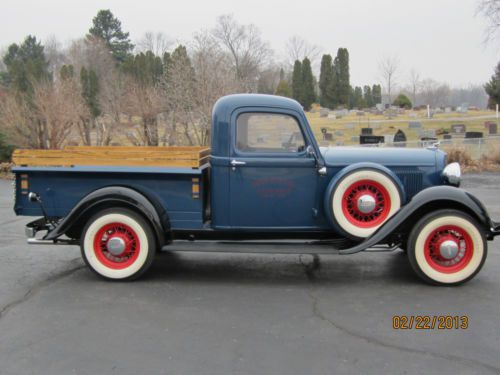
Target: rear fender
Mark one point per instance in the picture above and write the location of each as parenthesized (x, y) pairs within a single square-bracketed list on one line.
[(116, 196), (432, 198)]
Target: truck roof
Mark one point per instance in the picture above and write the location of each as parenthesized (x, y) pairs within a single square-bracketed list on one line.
[(229, 103)]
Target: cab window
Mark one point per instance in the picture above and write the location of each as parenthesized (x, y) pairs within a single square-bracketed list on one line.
[(268, 133)]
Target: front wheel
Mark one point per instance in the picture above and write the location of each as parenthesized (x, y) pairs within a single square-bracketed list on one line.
[(118, 244), (447, 247)]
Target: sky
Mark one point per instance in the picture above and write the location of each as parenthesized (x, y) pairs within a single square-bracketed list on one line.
[(441, 39)]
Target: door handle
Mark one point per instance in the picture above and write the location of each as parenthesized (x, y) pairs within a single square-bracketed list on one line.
[(234, 163)]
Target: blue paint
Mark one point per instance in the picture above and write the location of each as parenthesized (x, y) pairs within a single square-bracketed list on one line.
[(271, 192)]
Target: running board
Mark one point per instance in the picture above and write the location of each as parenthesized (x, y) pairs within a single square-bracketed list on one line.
[(258, 247)]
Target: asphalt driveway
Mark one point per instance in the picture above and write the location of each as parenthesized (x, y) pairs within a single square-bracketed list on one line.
[(198, 313)]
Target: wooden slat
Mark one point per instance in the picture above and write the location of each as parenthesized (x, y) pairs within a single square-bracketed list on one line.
[(192, 157)]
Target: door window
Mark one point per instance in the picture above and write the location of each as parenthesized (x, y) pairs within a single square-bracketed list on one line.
[(268, 133)]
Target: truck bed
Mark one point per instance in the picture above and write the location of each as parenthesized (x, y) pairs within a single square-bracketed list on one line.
[(63, 177), (190, 157)]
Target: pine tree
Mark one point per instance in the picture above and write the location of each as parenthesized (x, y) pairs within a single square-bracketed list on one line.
[(377, 94), (493, 88), (297, 81), (326, 81), (367, 94), (146, 68), (109, 28), (357, 100), (25, 63), (342, 79), (90, 90), (283, 89), (308, 94)]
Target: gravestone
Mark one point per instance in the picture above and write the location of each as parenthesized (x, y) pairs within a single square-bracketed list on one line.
[(341, 112), (458, 128), (323, 112), (328, 136), (400, 136), (371, 139), (388, 138), (471, 135), (414, 125), (491, 127), (366, 131), (339, 133), (349, 126), (355, 138), (360, 113), (447, 136)]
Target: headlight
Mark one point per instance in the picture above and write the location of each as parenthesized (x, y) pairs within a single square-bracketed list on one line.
[(452, 174)]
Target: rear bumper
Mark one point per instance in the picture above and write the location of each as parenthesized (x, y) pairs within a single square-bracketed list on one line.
[(40, 225)]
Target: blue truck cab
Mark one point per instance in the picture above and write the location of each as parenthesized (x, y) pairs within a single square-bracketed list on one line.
[(267, 178)]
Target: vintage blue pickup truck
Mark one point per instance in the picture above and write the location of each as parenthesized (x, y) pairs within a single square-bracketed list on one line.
[(266, 178)]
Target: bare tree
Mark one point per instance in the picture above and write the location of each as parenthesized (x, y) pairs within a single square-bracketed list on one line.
[(388, 70), (55, 55), (298, 48), (215, 77), (93, 54), (490, 9), (158, 43), (246, 47), (434, 93), (414, 85)]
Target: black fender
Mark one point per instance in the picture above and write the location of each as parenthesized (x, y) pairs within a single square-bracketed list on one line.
[(116, 196), (432, 198)]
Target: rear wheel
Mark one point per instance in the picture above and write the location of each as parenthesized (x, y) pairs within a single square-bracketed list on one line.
[(118, 244), (447, 247)]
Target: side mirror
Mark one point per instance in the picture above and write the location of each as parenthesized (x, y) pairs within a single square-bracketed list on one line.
[(310, 151)]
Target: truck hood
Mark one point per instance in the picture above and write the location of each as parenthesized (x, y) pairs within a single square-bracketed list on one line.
[(340, 156)]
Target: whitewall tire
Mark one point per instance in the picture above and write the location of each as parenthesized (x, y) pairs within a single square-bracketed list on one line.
[(118, 244), (362, 201), (447, 247)]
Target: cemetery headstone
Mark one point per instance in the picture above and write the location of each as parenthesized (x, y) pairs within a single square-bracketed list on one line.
[(323, 112), (458, 128), (371, 139), (414, 125)]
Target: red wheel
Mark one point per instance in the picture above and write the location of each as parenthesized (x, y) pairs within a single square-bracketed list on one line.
[(447, 247), (362, 201), (118, 244), (366, 204)]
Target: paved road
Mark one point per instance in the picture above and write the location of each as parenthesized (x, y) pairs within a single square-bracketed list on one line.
[(239, 314)]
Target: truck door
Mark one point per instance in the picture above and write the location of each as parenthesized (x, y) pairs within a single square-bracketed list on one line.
[(273, 180)]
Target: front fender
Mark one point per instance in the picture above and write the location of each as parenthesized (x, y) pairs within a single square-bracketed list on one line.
[(116, 196), (432, 198)]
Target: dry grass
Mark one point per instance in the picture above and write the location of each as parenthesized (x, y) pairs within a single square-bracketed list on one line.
[(5, 170), (487, 163)]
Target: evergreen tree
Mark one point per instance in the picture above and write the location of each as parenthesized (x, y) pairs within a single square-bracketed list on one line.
[(109, 28), (402, 101), (90, 90), (342, 79), (283, 89), (357, 98), (146, 68), (367, 94), (66, 72), (326, 82), (25, 63), (377, 94), (5, 149), (493, 88), (297, 81), (308, 94)]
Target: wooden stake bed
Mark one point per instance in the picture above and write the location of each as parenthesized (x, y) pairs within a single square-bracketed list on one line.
[(190, 157)]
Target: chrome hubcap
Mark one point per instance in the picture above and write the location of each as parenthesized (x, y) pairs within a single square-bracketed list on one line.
[(448, 249), (115, 245), (366, 203)]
